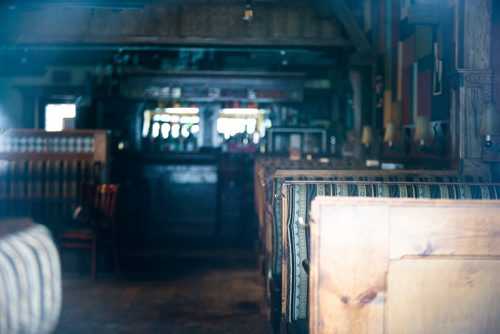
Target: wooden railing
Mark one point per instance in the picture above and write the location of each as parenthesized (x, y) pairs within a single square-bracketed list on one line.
[(41, 172)]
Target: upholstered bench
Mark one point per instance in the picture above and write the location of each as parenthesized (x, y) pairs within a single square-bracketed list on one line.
[(272, 234), (298, 196), (276, 181), (30, 278), (264, 167)]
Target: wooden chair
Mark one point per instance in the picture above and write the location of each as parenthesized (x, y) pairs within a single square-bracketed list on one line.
[(105, 204), (96, 217)]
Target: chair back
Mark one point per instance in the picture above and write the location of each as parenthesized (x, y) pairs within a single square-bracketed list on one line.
[(105, 200)]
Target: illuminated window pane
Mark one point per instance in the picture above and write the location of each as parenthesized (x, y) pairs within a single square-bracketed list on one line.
[(165, 129), (232, 126), (156, 130), (59, 116), (185, 131), (147, 122), (190, 119), (176, 129), (195, 129)]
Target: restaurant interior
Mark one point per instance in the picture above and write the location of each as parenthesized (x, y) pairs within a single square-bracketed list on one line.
[(211, 166)]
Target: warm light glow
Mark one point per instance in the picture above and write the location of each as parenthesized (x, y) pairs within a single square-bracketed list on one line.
[(256, 138), (147, 123), (195, 129), (390, 133), (241, 111), (190, 119), (155, 132), (490, 124), (182, 111), (232, 126), (367, 135), (185, 131), (176, 129), (176, 118), (165, 129), (423, 130), (55, 114)]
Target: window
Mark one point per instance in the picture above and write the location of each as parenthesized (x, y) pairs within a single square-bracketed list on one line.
[(60, 116), (233, 121)]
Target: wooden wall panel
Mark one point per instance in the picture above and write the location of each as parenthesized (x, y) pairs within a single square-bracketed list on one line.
[(168, 18), (201, 22), (279, 25), (495, 52), (460, 234), (406, 100), (329, 30), (356, 289), (293, 22), (309, 26), (423, 42), (470, 139), (192, 22), (102, 22), (425, 93), (476, 43), (446, 296), (133, 22), (261, 23), (404, 266)]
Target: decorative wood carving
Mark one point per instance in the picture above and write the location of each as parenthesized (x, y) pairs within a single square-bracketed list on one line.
[(470, 143), (473, 84), (477, 79), (474, 166), (477, 34)]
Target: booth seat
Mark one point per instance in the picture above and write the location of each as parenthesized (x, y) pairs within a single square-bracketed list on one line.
[(298, 196)]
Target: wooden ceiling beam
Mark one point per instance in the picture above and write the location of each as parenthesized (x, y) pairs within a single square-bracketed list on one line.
[(346, 17), (109, 4)]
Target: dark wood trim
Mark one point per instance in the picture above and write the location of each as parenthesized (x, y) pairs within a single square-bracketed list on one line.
[(345, 16), (181, 41), (215, 74)]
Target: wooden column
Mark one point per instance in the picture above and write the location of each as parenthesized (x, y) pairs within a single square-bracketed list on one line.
[(473, 80)]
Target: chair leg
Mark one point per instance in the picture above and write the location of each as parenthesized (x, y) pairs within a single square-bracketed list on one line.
[(93, 258), (115, 254)]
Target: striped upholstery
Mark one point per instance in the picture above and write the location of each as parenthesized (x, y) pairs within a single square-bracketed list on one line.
[(30, 278), (265, 166), (277, 183), (299, 196)]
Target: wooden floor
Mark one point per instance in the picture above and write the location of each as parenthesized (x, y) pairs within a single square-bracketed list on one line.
[(203, 291)]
